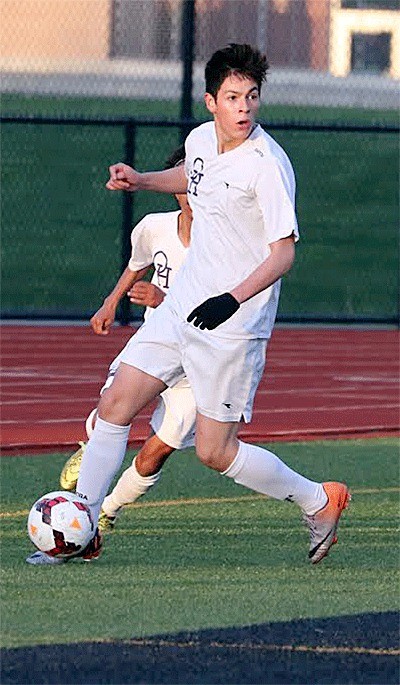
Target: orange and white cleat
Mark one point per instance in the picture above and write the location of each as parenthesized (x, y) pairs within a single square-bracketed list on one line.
[(323, 524)]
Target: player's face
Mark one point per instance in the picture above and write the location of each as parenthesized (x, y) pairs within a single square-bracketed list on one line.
[(234, 109)]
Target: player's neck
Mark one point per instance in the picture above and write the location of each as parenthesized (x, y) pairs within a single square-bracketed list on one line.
[(226, 144), (184, 227)]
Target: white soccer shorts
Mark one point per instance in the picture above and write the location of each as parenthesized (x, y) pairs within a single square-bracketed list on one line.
[(223, 373), (174, 418)]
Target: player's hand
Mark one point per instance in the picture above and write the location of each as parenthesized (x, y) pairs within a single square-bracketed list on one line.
[(146, 294), (123, 177), (102, 321), (214, 311)]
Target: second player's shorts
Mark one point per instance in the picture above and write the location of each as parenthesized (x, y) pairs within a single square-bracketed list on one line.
[(223, 373), (174, 418)]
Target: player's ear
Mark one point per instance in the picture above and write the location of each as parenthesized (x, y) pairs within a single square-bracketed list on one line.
[(210, 102)]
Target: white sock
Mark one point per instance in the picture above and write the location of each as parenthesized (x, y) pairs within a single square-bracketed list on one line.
[(101, 460), (260, 470), (129, 488), (89, 423)]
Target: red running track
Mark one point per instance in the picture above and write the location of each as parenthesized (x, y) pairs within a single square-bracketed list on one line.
[(318, 383)]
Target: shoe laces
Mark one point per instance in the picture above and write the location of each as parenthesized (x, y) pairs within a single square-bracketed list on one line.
[(309, 520)]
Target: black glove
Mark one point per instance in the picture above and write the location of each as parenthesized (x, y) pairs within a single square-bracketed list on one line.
[(214, 311)]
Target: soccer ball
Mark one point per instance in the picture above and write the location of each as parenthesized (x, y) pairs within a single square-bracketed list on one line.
[(60, 524)]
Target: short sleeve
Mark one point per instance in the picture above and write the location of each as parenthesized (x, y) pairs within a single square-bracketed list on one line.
[(275, 193), (186, 165), (141, 255)]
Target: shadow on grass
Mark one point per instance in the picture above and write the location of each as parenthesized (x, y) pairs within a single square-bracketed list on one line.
[(348, 649)]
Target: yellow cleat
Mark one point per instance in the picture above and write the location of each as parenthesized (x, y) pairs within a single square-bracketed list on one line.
[(69, 474), (106, 523)]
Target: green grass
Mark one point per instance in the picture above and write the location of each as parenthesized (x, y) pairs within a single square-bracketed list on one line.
[(65, 228), (200, 551)]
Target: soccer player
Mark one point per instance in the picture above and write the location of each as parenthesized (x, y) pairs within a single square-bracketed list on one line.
[(161, 241), (215, 323)]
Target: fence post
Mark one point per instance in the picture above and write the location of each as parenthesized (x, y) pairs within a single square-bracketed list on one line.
[(398, 299), (187, 56), (124, 308)]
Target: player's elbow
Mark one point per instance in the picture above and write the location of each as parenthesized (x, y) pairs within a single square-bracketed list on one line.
[(289, 259)]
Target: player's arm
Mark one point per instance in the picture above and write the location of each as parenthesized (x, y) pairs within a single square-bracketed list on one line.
[(123, 177), (103, 319), (275, 194), (216, 310), (146, 294), (270, 270)]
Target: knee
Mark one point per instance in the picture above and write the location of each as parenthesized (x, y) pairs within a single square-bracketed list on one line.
[(206, 455), (217, 457), (114, 409), (106, 403)]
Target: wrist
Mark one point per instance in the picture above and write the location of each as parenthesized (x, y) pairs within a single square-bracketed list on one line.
[(144, 180), (111, 302), (235, 296)]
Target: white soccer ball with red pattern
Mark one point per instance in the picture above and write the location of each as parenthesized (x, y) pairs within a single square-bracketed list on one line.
[(60, 524)]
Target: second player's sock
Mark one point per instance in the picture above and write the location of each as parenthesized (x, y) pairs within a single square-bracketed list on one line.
[(101, 460), (129, 488), (260, 470)]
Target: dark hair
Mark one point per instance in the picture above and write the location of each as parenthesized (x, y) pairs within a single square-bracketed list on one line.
[(176, 158), (236, 58)]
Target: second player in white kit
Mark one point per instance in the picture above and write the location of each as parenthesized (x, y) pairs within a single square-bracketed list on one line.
[(159, 241), (155, 241)]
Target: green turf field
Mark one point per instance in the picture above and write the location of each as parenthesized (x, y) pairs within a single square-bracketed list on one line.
[(200, 551), (60, 223)]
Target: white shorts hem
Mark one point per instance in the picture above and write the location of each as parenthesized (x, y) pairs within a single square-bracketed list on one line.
[(231, 418)]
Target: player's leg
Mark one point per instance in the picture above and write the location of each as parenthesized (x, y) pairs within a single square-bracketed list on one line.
[(254, 467), (152, 456), (130, 392), (150, 362), (135, 481), (70, 471), (262, 471), (173, 425), (226, 398)]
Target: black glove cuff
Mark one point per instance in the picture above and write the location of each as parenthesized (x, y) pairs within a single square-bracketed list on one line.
[(231, 301)]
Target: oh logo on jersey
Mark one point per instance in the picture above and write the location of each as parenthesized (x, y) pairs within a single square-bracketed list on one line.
[(196, 175), (160, 262)]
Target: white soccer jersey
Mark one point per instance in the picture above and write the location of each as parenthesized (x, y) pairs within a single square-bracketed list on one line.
[(242, 201), (155, 241)]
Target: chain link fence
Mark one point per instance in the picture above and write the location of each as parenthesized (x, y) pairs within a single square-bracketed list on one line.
[(86, 84), (323, 53), (66, 238)]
